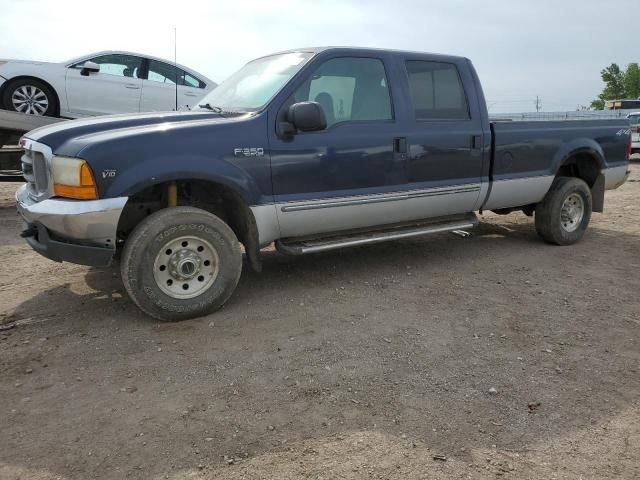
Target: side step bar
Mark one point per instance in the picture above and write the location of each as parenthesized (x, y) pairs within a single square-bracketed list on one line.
[(311, 245)]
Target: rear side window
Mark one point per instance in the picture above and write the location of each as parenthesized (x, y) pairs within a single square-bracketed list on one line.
[(164, 73), (436, 91)]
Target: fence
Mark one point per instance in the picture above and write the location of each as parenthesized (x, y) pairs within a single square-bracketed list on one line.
[(575, 115)]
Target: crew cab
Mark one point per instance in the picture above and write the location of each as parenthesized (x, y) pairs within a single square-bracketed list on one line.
[(313, 149)]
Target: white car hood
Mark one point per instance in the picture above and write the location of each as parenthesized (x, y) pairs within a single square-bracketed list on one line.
[(24, 62)]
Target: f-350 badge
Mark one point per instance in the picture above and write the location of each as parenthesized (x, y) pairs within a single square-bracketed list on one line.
[(248, 152)]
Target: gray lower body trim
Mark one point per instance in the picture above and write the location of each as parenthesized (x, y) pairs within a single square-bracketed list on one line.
[(298, 219), (267, 223), (615, 176), (518, 191), (90, 222)]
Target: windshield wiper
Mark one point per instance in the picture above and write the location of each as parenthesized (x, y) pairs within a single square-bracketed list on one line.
[(208, 106), (219, 110)]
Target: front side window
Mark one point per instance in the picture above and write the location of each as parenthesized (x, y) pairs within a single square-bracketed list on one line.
[(251, 87), (118, 65), (436, 91), (348, 89)]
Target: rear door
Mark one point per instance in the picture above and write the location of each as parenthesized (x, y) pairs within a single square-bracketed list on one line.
[(115, 88), (445, 137), (159, 87)]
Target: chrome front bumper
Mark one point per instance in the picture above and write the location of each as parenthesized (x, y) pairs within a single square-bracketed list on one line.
[(77, 231)]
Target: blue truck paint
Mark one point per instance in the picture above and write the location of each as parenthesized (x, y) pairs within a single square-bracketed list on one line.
[(449, 165)]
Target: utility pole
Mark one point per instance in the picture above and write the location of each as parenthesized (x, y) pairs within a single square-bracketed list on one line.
[(538, 103)]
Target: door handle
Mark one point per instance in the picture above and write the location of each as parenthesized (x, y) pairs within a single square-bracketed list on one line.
[(476, 141), (132, 86), (188, 94), (400, 145)]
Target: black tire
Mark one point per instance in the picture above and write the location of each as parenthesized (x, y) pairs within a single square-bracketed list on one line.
[(15, 85), (145, 253), (551, 225)]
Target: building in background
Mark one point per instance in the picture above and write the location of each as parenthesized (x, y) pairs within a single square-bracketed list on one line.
[(624, 104)]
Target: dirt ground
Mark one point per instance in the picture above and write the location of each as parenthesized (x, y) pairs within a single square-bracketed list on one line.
[(441, 357)]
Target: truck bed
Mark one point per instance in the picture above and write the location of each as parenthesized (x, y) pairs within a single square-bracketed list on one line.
[(527, 155)]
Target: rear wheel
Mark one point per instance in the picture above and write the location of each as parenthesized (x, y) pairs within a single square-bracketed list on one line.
[(181, 263), (30, 96), (564, 214)]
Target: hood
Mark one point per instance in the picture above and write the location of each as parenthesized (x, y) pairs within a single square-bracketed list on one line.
[(72, 135), (24, 62)]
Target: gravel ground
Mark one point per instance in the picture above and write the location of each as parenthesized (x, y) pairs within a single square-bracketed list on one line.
[(440, 357)]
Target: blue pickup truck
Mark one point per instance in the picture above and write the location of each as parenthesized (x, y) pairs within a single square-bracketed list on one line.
[(313, 149)]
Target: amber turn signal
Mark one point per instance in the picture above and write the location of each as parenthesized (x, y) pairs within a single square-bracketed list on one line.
[(72, 178)]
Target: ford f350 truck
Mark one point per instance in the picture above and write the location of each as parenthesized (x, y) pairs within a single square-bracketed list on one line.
[(312, 149)]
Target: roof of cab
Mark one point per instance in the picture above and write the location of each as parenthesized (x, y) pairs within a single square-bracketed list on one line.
[(356, 50)]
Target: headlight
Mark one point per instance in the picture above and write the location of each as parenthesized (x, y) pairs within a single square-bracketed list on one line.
[(72, 178)]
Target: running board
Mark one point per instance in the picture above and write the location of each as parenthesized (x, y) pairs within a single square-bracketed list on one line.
[(295, 246)]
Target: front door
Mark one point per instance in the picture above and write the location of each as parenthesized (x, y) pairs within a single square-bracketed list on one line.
[(116, 88), (352, 174)]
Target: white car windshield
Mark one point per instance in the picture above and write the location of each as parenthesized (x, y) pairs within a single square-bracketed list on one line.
[(634, 119), (251, 87)]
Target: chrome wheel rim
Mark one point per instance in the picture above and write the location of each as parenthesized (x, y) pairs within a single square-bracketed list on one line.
[(572, 212), (30, 99), (186, 267)]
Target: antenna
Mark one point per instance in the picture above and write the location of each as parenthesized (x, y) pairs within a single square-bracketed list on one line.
[(175, 60)]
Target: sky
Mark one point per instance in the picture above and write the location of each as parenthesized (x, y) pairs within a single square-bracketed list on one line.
[(553, 49)]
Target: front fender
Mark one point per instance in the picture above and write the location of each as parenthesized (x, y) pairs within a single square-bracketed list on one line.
[(145, 174), (127, 160)]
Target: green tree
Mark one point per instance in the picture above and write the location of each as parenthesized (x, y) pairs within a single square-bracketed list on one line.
[(632, 81), (615, 84)]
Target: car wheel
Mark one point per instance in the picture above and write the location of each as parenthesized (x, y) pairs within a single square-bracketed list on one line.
[(564, 214), (30, 96), (180, 263)]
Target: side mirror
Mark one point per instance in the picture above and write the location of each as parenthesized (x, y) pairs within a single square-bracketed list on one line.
[(307, 116), (89, 67)]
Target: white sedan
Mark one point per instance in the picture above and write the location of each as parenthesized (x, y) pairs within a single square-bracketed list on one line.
[(98, 84)]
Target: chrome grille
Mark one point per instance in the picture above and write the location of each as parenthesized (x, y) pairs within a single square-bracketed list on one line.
[(40, 172), (35, 171)]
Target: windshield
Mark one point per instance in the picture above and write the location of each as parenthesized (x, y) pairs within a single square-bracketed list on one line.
[(251, 87), (634, 119)]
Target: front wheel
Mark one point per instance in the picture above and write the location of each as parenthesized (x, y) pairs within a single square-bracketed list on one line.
[(30, 96), (181, 263), (563, 215)]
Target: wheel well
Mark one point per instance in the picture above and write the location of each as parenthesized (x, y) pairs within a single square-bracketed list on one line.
[(213, 197), (30, 77), (586, 167), (581, 165)]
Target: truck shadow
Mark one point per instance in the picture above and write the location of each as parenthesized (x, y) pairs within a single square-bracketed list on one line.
[(408, 336)]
